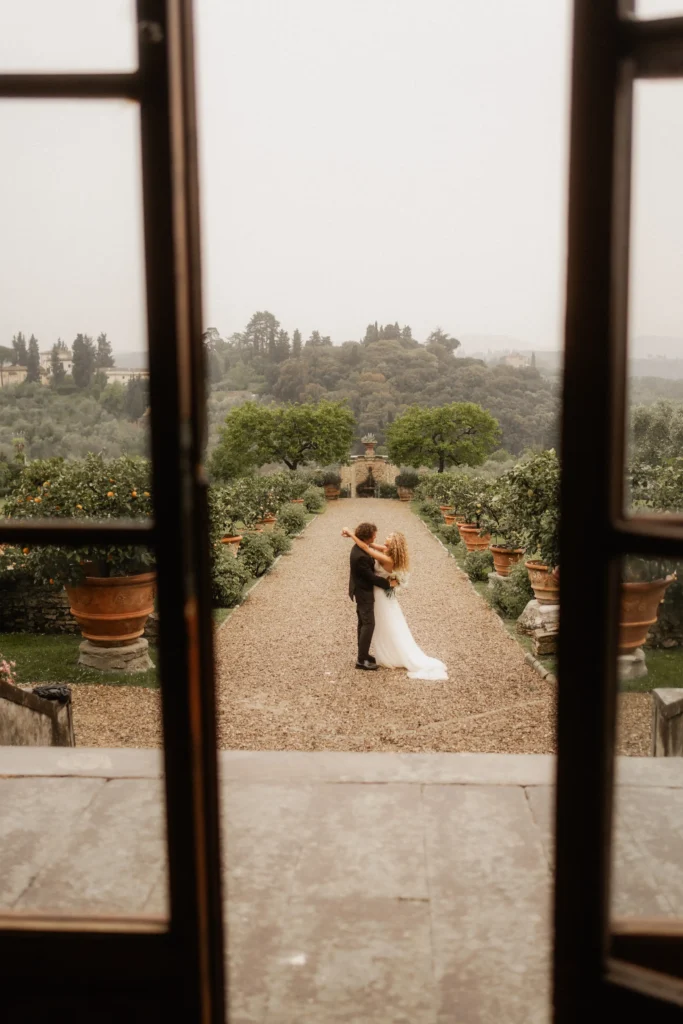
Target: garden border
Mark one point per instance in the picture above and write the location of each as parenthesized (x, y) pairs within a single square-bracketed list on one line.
[(250, 589), (533, 663)]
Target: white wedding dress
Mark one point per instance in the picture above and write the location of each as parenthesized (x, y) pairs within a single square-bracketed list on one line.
[(393, 642)]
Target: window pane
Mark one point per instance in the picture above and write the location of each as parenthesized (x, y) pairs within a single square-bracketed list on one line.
[(655, 412), (658, 8), (647, 866), (82, 827), (73, 350), (68, 35)]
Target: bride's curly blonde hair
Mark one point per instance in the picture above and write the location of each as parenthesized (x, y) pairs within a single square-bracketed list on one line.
[(397, 549)]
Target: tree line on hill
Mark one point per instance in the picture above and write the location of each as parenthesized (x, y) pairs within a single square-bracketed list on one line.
[(380, 376), (88, 357)]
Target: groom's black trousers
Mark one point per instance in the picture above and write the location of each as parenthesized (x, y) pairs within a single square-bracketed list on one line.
[(365, 610)]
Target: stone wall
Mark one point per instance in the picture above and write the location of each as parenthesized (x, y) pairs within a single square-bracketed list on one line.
[(26, 607), (382, 470)]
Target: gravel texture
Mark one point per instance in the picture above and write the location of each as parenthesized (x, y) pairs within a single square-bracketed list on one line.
[(286, 676)]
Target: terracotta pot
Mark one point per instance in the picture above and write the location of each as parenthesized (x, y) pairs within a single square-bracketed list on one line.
[(504, 558), (405, 493), (460, 520), (269, 522), (449, 518), (331, 492), (446, 508), (112, 611), (471, 538), (545, 584), (296, 501), (234, 543), (639, 609)]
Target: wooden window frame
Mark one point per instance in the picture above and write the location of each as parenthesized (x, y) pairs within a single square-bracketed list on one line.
[(600, 963), (144, 968)]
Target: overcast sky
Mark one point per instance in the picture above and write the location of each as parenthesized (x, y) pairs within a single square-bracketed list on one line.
[(376, 159)]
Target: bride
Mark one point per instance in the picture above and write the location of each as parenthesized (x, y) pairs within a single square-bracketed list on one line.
[(393, 642)]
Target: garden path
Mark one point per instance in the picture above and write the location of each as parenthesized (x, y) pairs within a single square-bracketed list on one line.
[(286, 657), (285, 664)]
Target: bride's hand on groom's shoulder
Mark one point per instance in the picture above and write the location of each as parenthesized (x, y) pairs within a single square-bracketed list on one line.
[(345, 531)]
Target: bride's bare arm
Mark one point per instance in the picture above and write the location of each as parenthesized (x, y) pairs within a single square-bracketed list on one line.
[(374, 552)]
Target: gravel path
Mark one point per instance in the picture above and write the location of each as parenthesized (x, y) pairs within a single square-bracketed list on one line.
[(286, 676)]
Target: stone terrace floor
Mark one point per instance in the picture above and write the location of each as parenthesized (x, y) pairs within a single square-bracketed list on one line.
[(360, 887)]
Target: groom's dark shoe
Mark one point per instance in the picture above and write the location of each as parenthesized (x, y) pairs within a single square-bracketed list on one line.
[(367, 666), (371, 658)]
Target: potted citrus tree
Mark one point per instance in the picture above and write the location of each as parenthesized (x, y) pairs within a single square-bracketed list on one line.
[(497, 519), (473, 503), (533, 488), (405, 483), (111, 588)]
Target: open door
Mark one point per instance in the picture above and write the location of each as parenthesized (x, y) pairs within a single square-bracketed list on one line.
[(112, 969), (602, 965)]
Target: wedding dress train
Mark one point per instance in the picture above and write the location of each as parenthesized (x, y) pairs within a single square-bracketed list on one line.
[(393, 642)]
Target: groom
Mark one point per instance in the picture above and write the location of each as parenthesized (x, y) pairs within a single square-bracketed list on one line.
[(361, 582)]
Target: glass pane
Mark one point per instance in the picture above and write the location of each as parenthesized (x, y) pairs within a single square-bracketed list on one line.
[(68, 35), (655, 409), (82, 828), (647, 876), (659, 8), (73, 350)]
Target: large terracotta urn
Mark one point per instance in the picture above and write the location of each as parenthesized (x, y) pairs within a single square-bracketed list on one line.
[(449, 518), (331, 492), (234, 543), (544, 582), (471, 539), (112, 610), (504, 558), (269, 521), (405, 493), (639, 610)]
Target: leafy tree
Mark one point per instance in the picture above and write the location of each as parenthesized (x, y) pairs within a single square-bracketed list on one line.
[(321, 432), (254, 435), (316, 340), (245, 441), (136, 398), (104, 356), (20, 349), (260, 334), (439, 337), (459, 434), (6, 357), (656, 433), (33, 361), (296, 343), (57, 371), (84, 359), (282, 346)]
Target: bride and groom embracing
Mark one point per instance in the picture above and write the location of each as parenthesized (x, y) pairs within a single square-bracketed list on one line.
[(378, 571)]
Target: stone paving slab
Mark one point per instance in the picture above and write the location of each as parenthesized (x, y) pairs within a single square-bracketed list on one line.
[(112, 856), (389, 897)]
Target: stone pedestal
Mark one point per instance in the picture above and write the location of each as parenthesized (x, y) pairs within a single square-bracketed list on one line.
[(493, 576), (667, 723), (129, 658), (631, 666), (544, 617), (544, 642)]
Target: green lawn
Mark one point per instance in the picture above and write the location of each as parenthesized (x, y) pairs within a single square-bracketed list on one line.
[(53, 659)]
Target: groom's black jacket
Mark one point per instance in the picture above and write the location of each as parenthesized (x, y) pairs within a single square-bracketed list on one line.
[(363, 576)]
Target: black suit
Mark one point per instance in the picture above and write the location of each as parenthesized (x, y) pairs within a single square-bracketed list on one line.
[(361, 582)]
